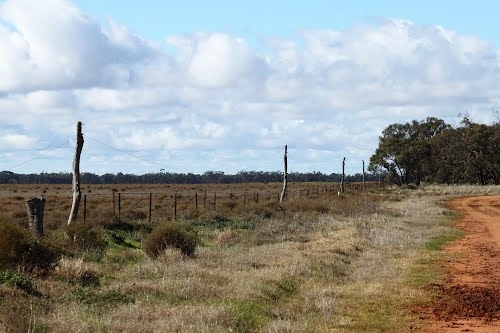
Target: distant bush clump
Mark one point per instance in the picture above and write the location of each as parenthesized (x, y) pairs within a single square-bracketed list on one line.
[(21, 251), (171, 235)]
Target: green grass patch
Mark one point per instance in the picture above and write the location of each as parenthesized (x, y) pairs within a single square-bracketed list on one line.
[(13, 279), (437, 243), (283, 288), (92, 296), (245, 317)]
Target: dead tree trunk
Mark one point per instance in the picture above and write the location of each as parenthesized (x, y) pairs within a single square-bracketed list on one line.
[(363, 172), (285, 178), (77, 193), (342, 186), (35, 208)]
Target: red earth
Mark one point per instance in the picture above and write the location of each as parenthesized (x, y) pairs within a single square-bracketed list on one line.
[(469, 300)]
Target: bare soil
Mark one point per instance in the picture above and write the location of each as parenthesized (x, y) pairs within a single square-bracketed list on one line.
[(469, 300)]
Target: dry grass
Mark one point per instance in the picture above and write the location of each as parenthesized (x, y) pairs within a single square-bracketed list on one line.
[(322, 264)]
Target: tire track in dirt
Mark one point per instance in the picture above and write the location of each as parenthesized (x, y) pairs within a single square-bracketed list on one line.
[(469, 301)]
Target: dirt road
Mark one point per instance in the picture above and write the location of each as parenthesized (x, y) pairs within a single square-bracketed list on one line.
[(469, 301)]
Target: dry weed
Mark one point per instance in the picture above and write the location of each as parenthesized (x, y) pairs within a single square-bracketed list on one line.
[(332, 264)]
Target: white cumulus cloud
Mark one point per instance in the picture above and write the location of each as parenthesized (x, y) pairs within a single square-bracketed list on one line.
[(219, 60), (54, 45), (203, 100)]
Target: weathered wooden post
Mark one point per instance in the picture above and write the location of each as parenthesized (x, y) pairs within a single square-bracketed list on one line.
[(150, 206), (77, 193), (175, 206), (363, 173), (35, 208), (119, 205), (342, 186), (285, 177)]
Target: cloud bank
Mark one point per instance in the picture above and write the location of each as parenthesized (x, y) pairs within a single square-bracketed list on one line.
[(212, 101)]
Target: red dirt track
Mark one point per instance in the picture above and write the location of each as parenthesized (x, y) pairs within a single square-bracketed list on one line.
[(469, 301)]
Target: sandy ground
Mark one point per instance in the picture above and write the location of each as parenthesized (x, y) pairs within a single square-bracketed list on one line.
[(469, 301)]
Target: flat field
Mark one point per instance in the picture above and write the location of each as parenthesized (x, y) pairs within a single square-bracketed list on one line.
[(320, 262)]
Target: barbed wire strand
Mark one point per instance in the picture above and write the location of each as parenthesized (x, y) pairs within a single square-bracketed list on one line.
[(37, 157), (126, 153)]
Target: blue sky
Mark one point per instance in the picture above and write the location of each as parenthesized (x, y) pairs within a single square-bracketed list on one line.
[(195, 86), (260, 19)]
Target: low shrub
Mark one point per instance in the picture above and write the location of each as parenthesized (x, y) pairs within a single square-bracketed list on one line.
[(13, 279), (41, 258), (77, 272), (179, 235), (14, 242), (21, 251), (87, 238)]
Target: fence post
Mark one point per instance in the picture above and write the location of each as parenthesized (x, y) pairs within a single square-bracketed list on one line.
[(215, 198), (114, 203), (342, 186), (205, 199), (285, 177), (175, 206), (244, 198), (196, 200), (150, 206), (84, 207), (119, 204), (36, 208)]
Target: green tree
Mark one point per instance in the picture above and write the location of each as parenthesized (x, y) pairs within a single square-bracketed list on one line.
[(448, 151), (404, 153)]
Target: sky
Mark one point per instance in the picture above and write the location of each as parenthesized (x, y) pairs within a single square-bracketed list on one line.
[(195, 86)]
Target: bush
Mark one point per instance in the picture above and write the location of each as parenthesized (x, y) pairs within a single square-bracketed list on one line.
[(87, 238), (14, 242), (41, 257), (173, 234), (13, 279), (21, 251)]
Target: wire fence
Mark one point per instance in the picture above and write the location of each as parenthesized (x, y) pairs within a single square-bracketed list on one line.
[(171, 203)]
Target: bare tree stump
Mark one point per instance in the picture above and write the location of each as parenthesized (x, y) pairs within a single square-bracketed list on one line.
[(77, 193), (364, 173), (285, 176), (35, 208), (342, 185)]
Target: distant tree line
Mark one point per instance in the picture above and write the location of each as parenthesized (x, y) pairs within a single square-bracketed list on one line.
[(435, 152), (429, 151), (209, 177)]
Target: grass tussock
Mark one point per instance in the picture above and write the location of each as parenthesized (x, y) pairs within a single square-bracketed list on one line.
[(317, 263)]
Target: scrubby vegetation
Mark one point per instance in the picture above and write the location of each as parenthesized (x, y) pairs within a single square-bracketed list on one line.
[(176, 235), (321, 263), (23, 252)]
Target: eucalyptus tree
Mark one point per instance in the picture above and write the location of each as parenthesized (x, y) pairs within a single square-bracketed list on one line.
[(404, 153)]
